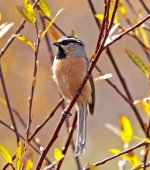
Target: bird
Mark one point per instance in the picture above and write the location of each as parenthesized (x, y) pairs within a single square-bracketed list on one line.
[(69, 69)]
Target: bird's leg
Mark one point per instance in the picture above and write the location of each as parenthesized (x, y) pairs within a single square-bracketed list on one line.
[(79, 92), (65, 113)]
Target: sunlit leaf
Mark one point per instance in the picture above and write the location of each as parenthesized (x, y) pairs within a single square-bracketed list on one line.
[(126, 129), (104, 77), (0, 16), (6, 154), (100, 16), (18, 156), (73, 34), (44, 7), (114, 129), (58, 154), (29, 165), (3, 101), (144, 105), (91, 167), (27, 11), (143, 33), (138, 61), (130, 157), (4, 28), (110, 37), (52, 21), (25, 40), (122, 9)]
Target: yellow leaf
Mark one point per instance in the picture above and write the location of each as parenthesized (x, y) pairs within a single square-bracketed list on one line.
[(4, 28), (58, 154), (0, 16), (143, 34), (18, 156), (73, 34), (27, 12), (25, 40), (44, 7), (29, 165), (100, 16), (5, 154), (122, 9), (144, 105), (50, 24), (104, 77), (126, 129), (130, 157), (138, 61), (91, 167), (3, 101)]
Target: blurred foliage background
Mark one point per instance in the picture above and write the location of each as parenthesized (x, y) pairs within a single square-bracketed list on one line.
[(17, 64)]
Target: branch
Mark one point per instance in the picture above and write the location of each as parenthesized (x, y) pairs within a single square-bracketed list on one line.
[(8, 104), (33, 84), (3, 50), (127, 31), (117, 155)]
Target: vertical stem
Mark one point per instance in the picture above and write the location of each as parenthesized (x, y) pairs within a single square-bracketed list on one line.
[(8, 104)]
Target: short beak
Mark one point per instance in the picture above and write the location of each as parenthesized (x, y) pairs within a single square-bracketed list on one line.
[(56, 44)]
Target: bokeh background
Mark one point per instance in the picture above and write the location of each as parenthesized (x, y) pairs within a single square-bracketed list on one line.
[(18, 62)]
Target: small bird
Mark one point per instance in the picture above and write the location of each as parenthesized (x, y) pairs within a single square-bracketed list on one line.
[(69, 69)]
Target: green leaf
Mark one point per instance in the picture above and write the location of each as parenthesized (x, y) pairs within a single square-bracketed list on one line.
[(44, 7), (138, 61), (18, 156), (4, 28), (52, 21), (3, 101), (27, 12), (25, 40), (5, 154)]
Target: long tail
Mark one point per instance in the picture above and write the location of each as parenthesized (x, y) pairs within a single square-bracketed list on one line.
[(81, 130)]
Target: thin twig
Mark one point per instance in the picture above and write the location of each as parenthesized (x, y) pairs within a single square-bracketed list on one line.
[(8, 104), (127, 31), (38, 128), (65, 148), (33, 84), (10, 40), (145, 6), (117, 155)]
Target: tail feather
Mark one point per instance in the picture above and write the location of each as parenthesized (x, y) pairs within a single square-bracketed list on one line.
[(81, 130)]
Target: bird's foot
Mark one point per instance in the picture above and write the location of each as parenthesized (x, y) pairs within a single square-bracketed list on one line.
[(79, 92), (66, 114)]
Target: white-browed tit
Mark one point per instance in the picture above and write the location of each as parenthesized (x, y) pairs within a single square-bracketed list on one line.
[(69, 69)]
